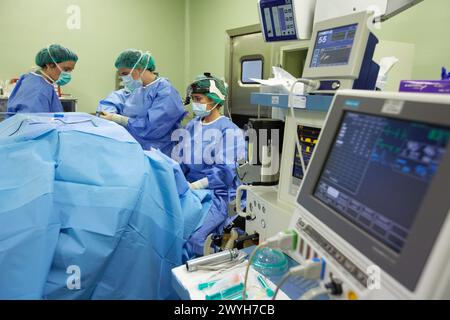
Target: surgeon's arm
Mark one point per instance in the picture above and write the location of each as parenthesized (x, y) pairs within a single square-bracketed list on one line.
[(38, 102), (114, 103), (184, 168), (33, 97), (222, 175), (117, 118), (163, 116), (200, 184)]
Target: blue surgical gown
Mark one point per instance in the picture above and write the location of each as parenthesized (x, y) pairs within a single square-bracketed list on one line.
[(155, 111), (219, 150), (33, 94)]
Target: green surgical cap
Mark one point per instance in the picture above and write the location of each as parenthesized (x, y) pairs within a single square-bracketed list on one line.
[(137, 59), (59, 54), (212, 87)]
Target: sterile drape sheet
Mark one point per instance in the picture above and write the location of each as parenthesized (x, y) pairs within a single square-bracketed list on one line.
[(85, 213)]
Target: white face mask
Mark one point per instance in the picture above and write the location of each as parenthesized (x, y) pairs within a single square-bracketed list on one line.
[(131, 84), (201, 109), (128, 81)]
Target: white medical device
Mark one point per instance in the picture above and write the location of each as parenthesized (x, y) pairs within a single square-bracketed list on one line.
[(341, 54), (270, 209), (345, 53), (374, 202), (384, 9), (283, 20)]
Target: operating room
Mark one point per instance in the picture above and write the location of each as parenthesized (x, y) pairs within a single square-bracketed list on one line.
[(224, 150)]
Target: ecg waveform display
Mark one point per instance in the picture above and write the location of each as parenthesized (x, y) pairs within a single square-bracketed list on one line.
[(378, 172)]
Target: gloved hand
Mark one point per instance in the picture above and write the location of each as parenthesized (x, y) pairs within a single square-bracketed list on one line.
[(122, 120), (106, 115), (199, 184)]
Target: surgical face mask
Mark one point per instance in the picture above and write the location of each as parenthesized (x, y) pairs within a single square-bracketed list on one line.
[(131, 84), (64, 78), (128, 81), (201, 109)]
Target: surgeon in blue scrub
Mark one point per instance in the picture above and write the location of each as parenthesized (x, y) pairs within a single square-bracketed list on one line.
[(208, 153), (35, 92), (149, 107)]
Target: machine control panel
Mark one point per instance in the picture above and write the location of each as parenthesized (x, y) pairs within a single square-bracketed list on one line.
[(333, 252)]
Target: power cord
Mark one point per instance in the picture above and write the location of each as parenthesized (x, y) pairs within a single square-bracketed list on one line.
[(313, 86), (333, 288), (314, 293), (311, 270), (297, 140)]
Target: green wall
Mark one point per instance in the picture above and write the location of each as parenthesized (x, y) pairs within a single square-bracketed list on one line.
[(107, 27), (186, 37), (425, 25), (209, 20)]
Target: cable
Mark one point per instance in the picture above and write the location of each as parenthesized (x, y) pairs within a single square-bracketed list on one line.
[(12, 125), (228, 110), (311, 270), (250, 260), (314, 85), (314, 293), (280, 285), (333, 288), (237, 172), (55, 119), (20, 126), (226, 98), (75, 122), (212, 276), (297, 140)]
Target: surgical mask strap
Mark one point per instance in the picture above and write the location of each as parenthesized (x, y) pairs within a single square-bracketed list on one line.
[(214, 106), (139, 60), (54, 61), (47, 76), (207, 104)]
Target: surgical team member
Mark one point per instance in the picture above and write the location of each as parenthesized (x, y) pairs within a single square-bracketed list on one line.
[(34, 92), (210, 155), (149, 107)]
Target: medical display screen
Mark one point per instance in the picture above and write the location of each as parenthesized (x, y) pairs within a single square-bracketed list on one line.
[(333, 47), (308, 138), (278, 20), (378, 173)]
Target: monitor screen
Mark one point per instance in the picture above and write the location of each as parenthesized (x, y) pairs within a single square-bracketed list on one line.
[(333, 47), (378, 172)]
